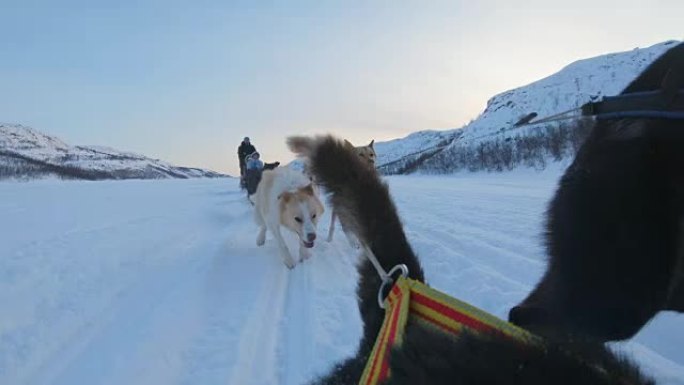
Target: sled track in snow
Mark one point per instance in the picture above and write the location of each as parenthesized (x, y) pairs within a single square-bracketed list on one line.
[(297, 353), (162, 283), (257, 350)]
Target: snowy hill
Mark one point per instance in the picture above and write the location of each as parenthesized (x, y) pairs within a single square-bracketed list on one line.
[(28, 153), (401, 156), (576, 84)]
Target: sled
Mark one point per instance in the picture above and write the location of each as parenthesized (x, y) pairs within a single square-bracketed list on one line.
[(252, 179)]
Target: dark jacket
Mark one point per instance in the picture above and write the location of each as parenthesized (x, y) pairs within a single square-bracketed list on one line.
[(244, 150)]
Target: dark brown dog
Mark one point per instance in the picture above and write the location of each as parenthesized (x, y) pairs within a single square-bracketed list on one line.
[(614, 233), (363, 203)]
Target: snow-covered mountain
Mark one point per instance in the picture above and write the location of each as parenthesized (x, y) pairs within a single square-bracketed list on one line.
[(400, 156), (576, 84), (28, 153)]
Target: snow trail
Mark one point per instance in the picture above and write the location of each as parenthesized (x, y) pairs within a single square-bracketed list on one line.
[(257, 361), (161, 282)]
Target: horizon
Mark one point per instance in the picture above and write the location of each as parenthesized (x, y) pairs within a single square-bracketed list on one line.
[(185, 83)]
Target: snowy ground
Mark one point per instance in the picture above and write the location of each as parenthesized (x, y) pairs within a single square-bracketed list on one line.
[(160, 282)]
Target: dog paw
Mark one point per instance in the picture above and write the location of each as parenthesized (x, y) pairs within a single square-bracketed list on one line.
[(261, 238), (290, 264), (304, 252)]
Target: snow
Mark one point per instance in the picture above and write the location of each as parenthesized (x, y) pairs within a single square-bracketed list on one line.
[(578, 83), (30, 143), (571, 87), (160, 282), (27, 140), (414, 143)]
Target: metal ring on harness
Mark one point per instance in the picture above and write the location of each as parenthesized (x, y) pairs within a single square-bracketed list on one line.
[(404, 272)]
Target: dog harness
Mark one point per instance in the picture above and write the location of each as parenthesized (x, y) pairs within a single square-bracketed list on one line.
[(650, 104), (412, 301)]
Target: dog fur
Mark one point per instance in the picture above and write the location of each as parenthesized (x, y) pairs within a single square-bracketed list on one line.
[(615, 233), (368, 156), (363, 202), (286, 197)]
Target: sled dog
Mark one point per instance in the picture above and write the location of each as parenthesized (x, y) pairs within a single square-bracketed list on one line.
[(287, 198), (367, 155), (615, 227), (426, 356)]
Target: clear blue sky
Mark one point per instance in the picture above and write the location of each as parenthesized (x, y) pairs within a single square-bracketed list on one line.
[(185, 81)]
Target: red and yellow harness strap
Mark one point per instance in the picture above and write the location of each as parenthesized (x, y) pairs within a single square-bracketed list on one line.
[(412, 299)]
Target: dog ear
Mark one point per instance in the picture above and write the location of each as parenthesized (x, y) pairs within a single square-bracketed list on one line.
[(319, 207), (371, 143), (308, 189), (285, 197), (348, 144)]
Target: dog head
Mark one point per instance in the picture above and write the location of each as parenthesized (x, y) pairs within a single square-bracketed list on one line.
[(366, 153), (614, 237), (300, 211)]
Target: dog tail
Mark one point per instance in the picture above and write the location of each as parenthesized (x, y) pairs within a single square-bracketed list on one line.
[(363, 203), (360, 198)]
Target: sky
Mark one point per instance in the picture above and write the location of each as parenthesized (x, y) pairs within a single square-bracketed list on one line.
[(186, 81)]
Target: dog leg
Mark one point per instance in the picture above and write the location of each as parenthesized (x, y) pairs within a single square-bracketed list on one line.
[(284, 252), (333, 216), (304, 253), (261, 238)]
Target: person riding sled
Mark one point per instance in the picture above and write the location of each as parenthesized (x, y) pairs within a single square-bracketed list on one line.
[(254, 167), (245, 149)]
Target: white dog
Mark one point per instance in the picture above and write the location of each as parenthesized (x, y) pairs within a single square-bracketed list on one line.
[(286, 197)]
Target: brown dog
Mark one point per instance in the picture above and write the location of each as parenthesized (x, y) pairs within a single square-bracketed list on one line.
[(427, 356), (615, 230), (367, 155)]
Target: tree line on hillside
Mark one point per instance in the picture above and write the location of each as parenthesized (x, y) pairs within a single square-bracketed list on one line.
[(17, 166), (535, 148)]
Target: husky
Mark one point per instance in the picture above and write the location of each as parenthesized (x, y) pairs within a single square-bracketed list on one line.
[(363, 203), (615, 227), (287, 198), (367, 155)]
